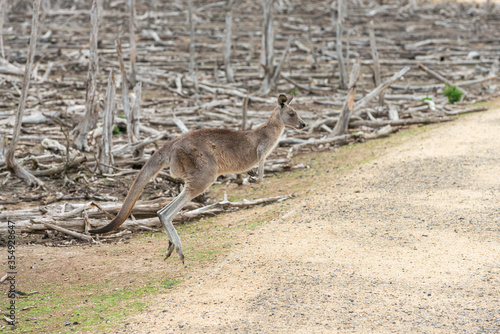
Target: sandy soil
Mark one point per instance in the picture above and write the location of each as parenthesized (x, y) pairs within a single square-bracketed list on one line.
[(407, 242)]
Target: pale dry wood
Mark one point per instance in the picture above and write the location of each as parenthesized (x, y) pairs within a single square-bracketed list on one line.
[(426, 88), (361, 103), (267, 46), (400, 122), (465, 111), (130, 148), (340, 57), (107, 134), (12, 165), (125, 100), (133, 47), (191, 40), (277, 71), (227, 46), (89, 121), (65, 230), (345, 115), (3, 11), (135, 101), (376, 63)]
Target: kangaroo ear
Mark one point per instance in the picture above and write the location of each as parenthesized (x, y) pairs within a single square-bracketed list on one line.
[(289, 98), (282, 99)]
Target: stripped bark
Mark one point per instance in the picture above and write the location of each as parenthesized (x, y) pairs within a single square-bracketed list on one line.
[(133, 47), (191, 40), (361, 103), (311, 46), (340, 56), (376, 63), (90, 119), (267, 47), (106, 160), (244, 116), (3, 11), (125, 100), (277, 71), (135, 100), (227, 47), (343, 122), (12, 165)]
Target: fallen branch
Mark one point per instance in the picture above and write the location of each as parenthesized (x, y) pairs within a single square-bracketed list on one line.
[(465, 111), (66, 231), (361, 103), (441, 78), (399, 122)]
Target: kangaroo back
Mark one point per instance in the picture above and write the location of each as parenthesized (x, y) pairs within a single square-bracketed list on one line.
[(152, 167)]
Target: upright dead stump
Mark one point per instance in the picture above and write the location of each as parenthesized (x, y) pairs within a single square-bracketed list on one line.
[(340, 56), (343, 122), (107, 127), (191, 41), (12, 165), (135, 107), (227, 47), (133, 47), (91, 114), (3, 11), (267, 47), (376, 63)]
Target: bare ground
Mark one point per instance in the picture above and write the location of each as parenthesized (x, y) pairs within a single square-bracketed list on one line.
[(406, 242)]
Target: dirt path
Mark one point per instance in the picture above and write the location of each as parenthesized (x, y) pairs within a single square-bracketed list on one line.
[(406, 242)]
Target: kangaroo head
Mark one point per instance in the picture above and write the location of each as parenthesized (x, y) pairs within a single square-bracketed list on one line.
[(288, 115)]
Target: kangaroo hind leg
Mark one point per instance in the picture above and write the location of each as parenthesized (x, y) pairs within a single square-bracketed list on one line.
[(166, 214)]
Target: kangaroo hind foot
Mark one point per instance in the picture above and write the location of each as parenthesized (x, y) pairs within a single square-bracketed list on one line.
[(166, 215)]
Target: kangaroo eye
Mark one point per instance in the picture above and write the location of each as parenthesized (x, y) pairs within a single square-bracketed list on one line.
[(292, 114)]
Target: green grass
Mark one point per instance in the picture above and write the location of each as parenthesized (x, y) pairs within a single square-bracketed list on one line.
[(92, 311), (453, 93)]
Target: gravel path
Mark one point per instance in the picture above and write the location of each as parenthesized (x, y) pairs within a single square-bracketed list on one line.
[(408, 242)]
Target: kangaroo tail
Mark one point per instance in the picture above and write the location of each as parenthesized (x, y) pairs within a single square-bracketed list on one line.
[(152, 167)]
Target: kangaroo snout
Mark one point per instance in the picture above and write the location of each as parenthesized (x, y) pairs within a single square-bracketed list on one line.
[(302, 125)]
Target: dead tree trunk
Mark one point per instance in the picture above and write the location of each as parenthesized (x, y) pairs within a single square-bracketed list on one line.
[(267, 48), (12, 165), (107, 127), (191, 40), (340, 56), (227, 48), (343, 122), (135, 104), (3, 11), (277, 71), (311, 46), (133, 48), (126, 105), (91, 114), (376, 63)]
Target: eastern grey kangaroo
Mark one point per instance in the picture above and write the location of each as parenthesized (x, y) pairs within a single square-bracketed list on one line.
[(200, 156)]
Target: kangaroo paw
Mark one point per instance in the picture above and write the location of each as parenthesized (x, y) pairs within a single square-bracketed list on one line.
[(171, 247), (174, 242)]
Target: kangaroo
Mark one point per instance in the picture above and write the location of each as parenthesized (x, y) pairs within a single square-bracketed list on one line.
[(199, 157)]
